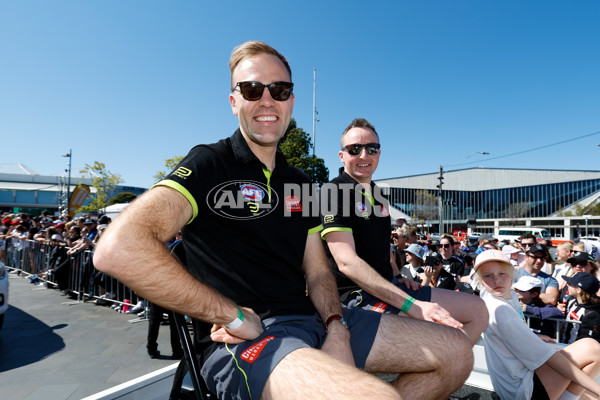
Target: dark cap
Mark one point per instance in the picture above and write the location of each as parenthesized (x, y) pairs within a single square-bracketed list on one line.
[(536, 248), (580, 258), (89, 221), (583, 280), (104, 219), (46, 220), (465, 288)]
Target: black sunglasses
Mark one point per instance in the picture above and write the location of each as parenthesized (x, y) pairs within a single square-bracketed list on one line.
[(580, 263), (356, 149), (445, 246), (253, 90)]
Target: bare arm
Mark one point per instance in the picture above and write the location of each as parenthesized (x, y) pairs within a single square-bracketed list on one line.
[(133, 251), (342, 247), (550, 296), (322, 290)]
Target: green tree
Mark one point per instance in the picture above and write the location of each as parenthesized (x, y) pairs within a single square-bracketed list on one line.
[(123, 197), (296, 147), (105, 183), (426, 206), (170, 164)]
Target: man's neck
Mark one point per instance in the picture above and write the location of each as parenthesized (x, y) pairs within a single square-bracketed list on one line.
[(266, 154), (531, 270), (364, 183)]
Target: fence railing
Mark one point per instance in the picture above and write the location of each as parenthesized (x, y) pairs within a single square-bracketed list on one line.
[(73, 274), (561, 325)]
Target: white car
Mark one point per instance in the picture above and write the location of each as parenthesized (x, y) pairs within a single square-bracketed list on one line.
[(594, 238), (3, 293)]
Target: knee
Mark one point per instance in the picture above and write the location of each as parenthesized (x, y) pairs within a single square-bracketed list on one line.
[(461, 352)]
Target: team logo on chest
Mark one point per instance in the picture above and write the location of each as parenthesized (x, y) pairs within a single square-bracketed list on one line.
[(252, 192), (242, 200)]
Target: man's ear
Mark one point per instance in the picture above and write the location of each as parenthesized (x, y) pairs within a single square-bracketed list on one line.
[(233, 104)]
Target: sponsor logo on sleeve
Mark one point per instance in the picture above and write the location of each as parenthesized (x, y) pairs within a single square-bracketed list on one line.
[(182, 172)]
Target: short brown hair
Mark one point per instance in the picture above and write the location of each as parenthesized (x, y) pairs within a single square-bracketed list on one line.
[(360, 123), (251, 49)]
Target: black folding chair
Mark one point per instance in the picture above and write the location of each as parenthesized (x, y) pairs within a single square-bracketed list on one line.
[(188, 384)]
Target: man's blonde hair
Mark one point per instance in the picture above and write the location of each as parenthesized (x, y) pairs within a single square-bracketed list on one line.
[(251, 49)]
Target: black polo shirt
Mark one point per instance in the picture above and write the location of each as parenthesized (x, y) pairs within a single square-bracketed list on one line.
[(346, 207), (248, 232)]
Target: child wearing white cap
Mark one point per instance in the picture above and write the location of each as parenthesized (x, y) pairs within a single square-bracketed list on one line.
[(521, 365), (528, 289)]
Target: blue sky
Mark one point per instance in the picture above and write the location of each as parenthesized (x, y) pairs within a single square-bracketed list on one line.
[(131, 83)]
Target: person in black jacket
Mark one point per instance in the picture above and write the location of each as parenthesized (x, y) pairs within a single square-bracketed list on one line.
[(584, 287)]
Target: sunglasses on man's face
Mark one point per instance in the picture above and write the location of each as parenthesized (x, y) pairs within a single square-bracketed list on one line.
[(445, 246), (253, 90), (356, 149), (527, 244)]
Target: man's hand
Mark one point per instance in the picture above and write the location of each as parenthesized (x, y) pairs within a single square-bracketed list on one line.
[(250, 329), (337, 343), (432, 312), (410, 284)]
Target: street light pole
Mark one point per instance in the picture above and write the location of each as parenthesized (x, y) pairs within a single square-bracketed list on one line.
[(441, 200), (314, 110), (70, 155)]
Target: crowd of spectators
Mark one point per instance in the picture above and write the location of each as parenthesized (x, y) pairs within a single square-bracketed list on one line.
[(540, 280)]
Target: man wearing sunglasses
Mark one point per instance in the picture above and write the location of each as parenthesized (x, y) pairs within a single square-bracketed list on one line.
[(535, 258), (256, 266), (356, 226)]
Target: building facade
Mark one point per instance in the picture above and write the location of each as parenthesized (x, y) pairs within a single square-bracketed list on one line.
[(22, 190), (492, 193)]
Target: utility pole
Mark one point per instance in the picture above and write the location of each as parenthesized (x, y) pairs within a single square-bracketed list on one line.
[(441, 200), (314, 109), (69, 154)]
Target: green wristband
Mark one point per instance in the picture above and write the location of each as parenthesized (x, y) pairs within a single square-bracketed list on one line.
[(407, 303), (238, 321)]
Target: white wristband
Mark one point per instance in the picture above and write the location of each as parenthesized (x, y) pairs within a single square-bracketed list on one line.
[(237, 322)]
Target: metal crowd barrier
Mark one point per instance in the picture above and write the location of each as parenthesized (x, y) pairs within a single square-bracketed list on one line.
[(561, 324), (73, 274)]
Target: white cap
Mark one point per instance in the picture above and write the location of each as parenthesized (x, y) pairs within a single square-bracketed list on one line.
[(490, 255), (526, 283), (508, 250)]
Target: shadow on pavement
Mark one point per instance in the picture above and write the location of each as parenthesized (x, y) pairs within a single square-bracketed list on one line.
[(25, 340)]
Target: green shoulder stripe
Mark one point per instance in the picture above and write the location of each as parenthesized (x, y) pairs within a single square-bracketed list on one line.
[(316, 229), (335, 229), (183, 191)]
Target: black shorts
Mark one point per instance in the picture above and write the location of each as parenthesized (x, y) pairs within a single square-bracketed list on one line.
[(366, 301), (539, 391), (241, 371)]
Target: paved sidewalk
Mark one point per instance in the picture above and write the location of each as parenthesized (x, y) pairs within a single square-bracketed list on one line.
[(50, 350)]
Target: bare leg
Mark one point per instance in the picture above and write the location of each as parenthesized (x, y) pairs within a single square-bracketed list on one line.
[(312, 374), (466, 308), (585, 354), (433, 364)]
